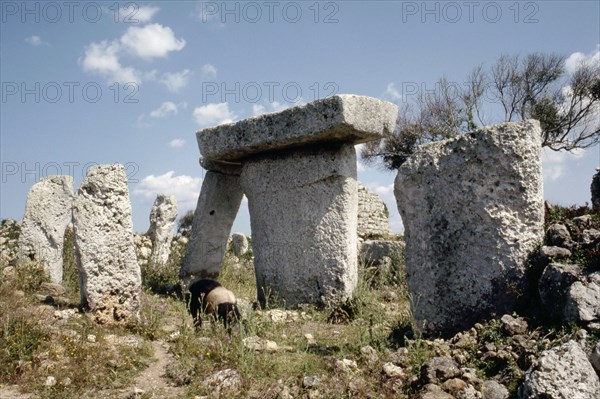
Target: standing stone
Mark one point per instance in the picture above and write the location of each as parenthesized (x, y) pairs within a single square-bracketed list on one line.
[(110, 274), (473, 210), (239, 243), (47, 215), (561, 372), (162, 221), (303, 211), (373, 215), (595, 188), (218, 204)]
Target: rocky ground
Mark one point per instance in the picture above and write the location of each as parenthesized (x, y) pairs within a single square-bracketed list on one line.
[(365, 349)]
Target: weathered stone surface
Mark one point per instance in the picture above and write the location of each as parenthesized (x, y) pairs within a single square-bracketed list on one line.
[(514, 325), (341, 118), (439, 369), (554, 285), (472, 209), (109, 271), (373, 216), (554, 253), (491, 389), (239, 243), (562, 372), (373, 252), (226, 168), (583, 299), (303, 212), (218, 204), (162, 222), (47, 214), (595, 189), (595, 357), (559, 235)]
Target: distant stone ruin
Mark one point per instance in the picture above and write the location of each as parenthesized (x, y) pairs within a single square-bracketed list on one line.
[(47, 214), (298, 170), (473, 210), (373, 215), (162, 222), (110, 277)]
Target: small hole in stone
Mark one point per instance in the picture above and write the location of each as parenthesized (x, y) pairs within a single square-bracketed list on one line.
[(212, 212)]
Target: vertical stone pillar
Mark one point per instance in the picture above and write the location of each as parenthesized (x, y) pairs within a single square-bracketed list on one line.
[(303, 210), (218, 204), (473, 211), (110, 274), (47, 215)]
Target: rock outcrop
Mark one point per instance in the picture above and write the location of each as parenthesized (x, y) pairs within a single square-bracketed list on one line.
[(473, 210), (561, 372), (110, 278), (47, 215)]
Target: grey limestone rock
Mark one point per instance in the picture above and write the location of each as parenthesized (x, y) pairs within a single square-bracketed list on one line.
[(341, 118), (303, 212), (109, 271), (473, 210), (162, 221), (562, 372), (48, 212)]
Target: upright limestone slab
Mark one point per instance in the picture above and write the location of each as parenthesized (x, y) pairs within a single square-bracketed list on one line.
[(109, 271), (473, 210), (162, 221), (218, 204), (47, 214), (299, 174), (303, 212)]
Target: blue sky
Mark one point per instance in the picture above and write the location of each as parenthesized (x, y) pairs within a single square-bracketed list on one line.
[(66, 67)]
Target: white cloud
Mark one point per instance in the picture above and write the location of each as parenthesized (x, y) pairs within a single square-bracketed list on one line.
[(167, 108), (103, 58), (213, 114), (176, 143), (578, 58), (175, 81), (392, 92), (151, 41), (145, 14), (185, 188), (209, 71), (555, 163), (275, 106), (33, 40)]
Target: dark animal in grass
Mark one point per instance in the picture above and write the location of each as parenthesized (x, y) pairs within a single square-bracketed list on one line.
[(210, 297)]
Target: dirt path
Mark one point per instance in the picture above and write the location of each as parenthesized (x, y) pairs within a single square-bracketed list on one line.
[(152, 380)]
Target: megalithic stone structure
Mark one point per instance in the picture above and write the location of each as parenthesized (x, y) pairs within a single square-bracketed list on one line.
[(298, 170)]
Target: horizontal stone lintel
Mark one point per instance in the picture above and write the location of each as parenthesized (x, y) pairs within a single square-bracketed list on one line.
[(342, 118)]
